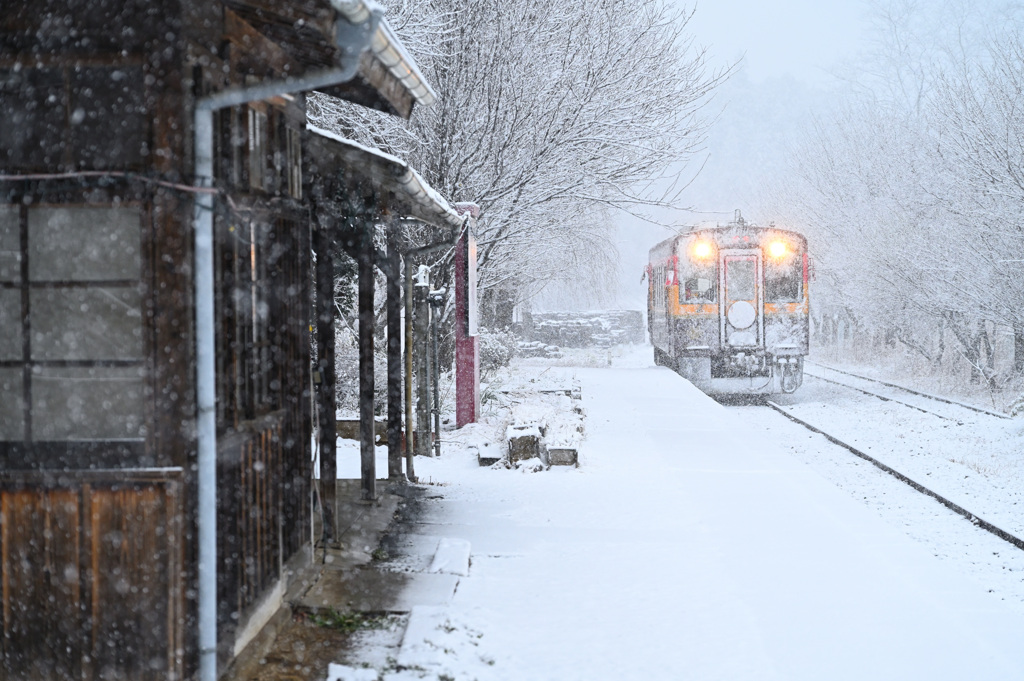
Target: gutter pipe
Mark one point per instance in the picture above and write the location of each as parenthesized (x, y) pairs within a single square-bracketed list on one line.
[(354, 41)]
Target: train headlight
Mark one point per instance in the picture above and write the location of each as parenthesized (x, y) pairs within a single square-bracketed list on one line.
[(777, 249), (702, 250)]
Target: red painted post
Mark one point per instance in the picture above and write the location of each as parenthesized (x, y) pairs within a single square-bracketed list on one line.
[(467, 347)]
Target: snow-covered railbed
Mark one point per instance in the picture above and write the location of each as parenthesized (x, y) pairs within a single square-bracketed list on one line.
[(984, 557), (975, 461), (935, 404)]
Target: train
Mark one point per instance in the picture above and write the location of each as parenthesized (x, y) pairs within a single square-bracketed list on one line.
[(727, 307)]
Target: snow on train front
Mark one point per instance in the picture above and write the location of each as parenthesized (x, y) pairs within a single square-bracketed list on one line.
[(727, 307)]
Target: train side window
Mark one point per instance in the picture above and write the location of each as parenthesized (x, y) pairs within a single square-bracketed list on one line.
[(783, 280)]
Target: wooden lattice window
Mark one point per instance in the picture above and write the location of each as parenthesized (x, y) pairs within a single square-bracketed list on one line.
[(248, 319), (72, 358), (293, 166), (257, 128)]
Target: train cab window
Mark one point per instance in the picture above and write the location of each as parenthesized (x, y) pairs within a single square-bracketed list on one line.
[(783, 279), (700, 289), (698, 271), (740, 278), (699, 281)]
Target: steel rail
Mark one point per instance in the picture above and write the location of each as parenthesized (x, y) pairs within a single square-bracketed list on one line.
[(951, 505), (937, 398), (882, 397)]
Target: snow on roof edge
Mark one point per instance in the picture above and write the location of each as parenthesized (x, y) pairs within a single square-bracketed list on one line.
[(414, 184), (352, 143)]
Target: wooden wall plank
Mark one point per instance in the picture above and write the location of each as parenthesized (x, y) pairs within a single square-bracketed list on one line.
[(91, 584), (42, 591), (131, 637)]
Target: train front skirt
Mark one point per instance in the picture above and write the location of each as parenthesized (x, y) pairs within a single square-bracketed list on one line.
[(771, 375)]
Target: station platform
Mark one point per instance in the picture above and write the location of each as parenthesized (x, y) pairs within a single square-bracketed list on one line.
[(687, 546)]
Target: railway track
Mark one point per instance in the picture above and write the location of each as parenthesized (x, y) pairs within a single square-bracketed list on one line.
[(951, 505), (893, 392)]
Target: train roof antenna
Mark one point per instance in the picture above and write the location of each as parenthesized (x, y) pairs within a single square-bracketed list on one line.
[(738, 218)]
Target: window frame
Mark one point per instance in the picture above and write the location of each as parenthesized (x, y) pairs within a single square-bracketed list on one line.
[(32, 366), (793, 261)]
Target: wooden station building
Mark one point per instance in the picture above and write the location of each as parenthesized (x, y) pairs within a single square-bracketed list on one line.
[(157, 220)]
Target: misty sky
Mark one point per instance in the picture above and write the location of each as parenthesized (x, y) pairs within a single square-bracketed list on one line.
[(802, 39), (788, 51)]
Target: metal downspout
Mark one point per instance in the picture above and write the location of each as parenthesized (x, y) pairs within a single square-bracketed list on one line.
[(206, 426), (206, 420)]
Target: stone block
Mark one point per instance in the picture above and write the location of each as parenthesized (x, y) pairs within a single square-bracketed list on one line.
[(562, 456), (524, 442), (489, 454)]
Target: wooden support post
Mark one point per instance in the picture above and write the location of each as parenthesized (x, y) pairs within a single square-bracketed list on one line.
[(435, 370), (394, 324), (366, 322), (467, 343), (410, 470), (421, 343), (325, 388)]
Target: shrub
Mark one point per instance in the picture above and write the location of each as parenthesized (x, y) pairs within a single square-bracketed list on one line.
[(497, 348)]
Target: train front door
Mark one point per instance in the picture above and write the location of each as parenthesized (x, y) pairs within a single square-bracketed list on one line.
[(741, 318)]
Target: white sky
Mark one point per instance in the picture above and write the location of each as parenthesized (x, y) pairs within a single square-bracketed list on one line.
[(789, 51), (798, 38)]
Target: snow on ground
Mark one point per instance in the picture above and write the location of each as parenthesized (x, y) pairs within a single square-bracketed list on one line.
[(976, 461), (913, 372), (991, 562), (695, 541)]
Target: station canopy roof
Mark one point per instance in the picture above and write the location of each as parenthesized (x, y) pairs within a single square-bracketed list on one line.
[(406, 193), (310, 35)]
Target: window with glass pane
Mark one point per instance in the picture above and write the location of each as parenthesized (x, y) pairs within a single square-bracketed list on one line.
[(257, 149), (12, 406), (783, 278), (699, 280), (246, 319), (71, 333), (294, 166), (10, 244), (741, 278)]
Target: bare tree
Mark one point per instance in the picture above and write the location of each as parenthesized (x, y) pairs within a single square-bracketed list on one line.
[(549, 116), (979, 122), (913, 188)]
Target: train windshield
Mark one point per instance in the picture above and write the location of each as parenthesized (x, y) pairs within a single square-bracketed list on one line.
[(701, 288), (741, 278), (783, 278)]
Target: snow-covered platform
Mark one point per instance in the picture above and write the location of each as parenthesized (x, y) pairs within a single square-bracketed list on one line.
[(686, 546)]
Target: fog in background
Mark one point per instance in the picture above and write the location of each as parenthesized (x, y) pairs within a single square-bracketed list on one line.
[(788, 56)]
